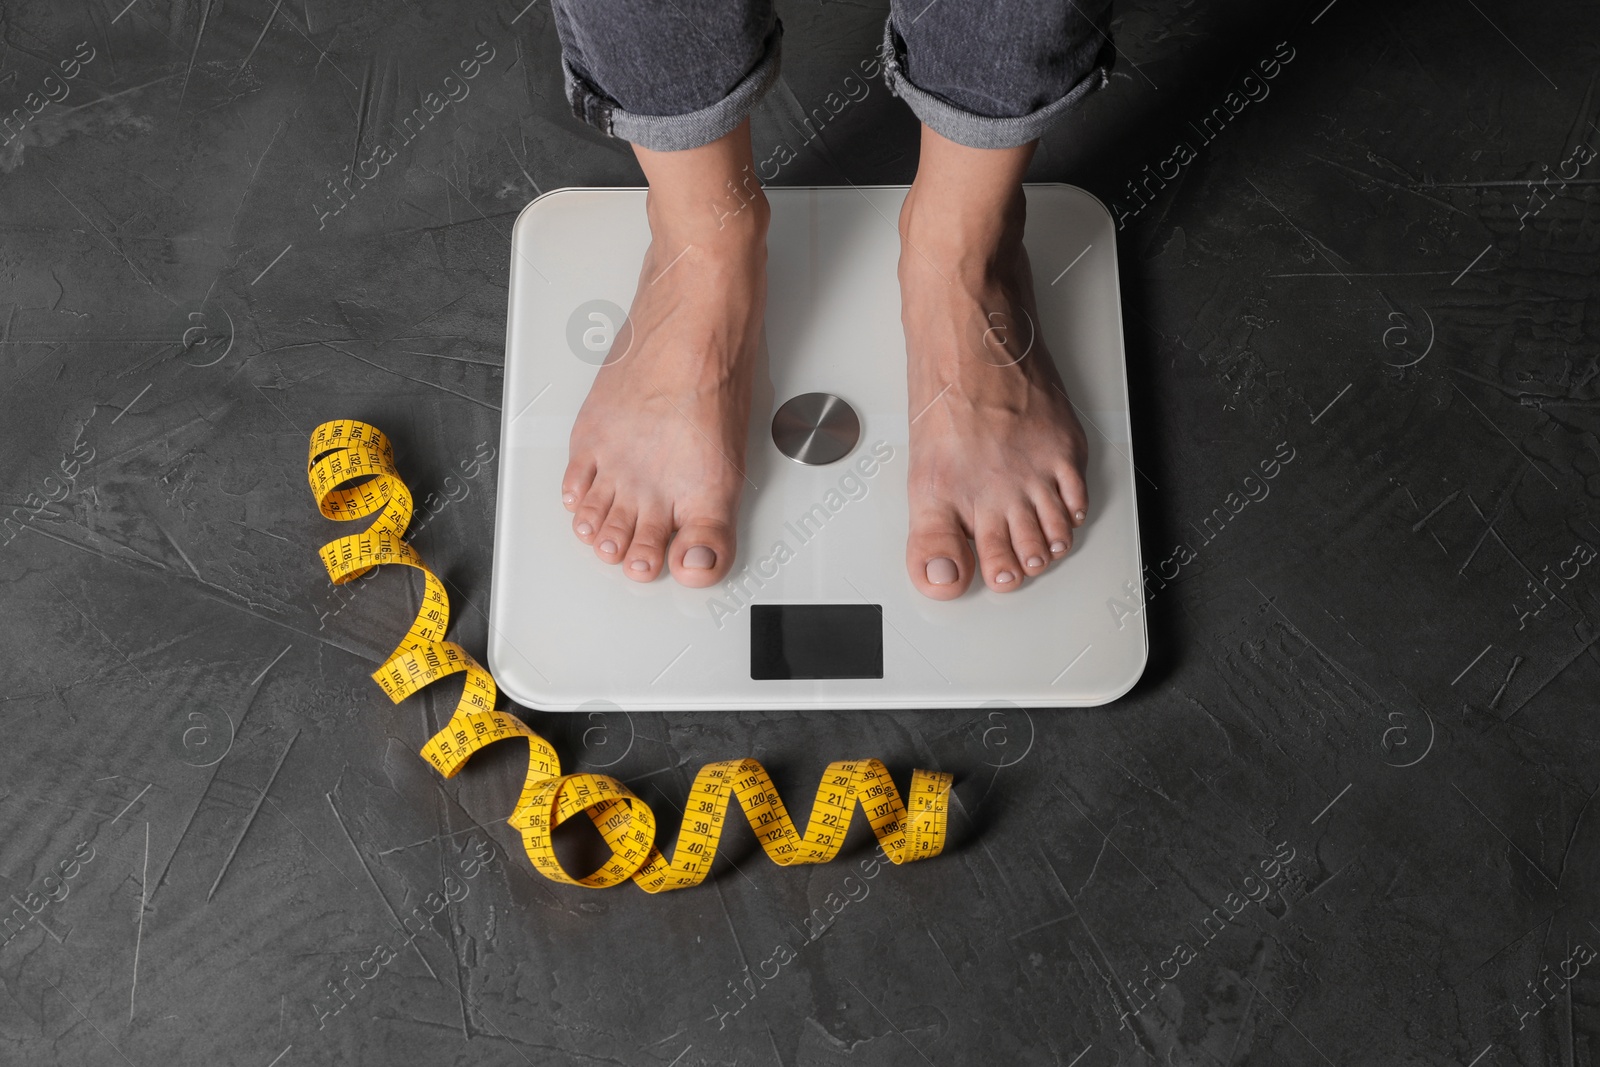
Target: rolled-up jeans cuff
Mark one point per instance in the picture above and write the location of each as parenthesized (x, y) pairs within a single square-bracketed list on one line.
[(673, 133), (983, 131)]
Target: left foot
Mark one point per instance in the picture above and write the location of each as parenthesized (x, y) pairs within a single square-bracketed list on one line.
[(997, 454)]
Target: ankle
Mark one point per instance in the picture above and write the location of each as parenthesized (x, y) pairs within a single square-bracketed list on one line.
[(740, 206), (734, 211), (698, 193), (953, 227)]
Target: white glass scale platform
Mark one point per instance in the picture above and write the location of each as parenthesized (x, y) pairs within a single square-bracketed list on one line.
[(829, 619)]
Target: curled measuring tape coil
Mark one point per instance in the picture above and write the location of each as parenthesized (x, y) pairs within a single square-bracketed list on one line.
[(352, 474)]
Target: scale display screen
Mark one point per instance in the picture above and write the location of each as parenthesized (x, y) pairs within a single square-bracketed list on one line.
[(815, 641)]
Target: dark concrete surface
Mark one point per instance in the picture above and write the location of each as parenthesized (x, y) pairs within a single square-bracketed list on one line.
[(1370, 692)]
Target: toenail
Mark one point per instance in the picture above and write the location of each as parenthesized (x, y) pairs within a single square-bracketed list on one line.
[(1058, 547), (585, 529), (942, 571), (639, 565), (700, 558), (1036, 561), (608, 546), (567, 498), (1003, 577), (1078, 515)]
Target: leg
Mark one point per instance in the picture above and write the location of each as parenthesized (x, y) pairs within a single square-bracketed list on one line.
[(657, 453), (667, 76), (997, 455), (996, 75), (996, 452)]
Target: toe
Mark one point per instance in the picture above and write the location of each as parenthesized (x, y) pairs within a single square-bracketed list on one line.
[(576, 481), (647, 551), (1027, 539), (1074, 494), (616, 532), (702, 553), (937, 557), (999, 564), (1054, 521), (591, 512)]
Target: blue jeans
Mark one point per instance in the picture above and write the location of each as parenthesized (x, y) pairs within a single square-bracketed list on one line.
[(675, 74)]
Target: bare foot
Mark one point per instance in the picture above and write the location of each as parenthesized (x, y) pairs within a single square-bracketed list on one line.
[(997, 454), (658, 447)]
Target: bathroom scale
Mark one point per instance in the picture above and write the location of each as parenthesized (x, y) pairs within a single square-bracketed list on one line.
[(818, 611)]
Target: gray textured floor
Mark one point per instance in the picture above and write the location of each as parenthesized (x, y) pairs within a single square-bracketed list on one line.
[(1370, 694)]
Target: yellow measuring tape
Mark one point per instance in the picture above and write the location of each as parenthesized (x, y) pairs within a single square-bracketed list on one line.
[(352, 473)]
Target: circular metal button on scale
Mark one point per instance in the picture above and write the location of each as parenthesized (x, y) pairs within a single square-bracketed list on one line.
[(815, 428)]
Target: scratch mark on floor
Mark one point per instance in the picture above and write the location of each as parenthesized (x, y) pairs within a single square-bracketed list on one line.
[(131, 803), (1561, 669), (1103, 835), (88, 1020), (257, 679), (1508, 840), (1474, 662), (265, 26), (890, 1021), (1515, 663), (1509, 441), (132, 402), (250, 701), (1576, 822), (409, 378), (138, 938), (205, 13), (1286, 1019), (954, 973), (387, 906), (112, 244), (1331, 803), (254, 811), (97, 629), (1442, 505)]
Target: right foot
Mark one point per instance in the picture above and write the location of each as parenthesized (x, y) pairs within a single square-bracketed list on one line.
[(657, 453)]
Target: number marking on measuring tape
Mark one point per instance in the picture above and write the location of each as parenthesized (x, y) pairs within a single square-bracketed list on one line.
[(353, 476)]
